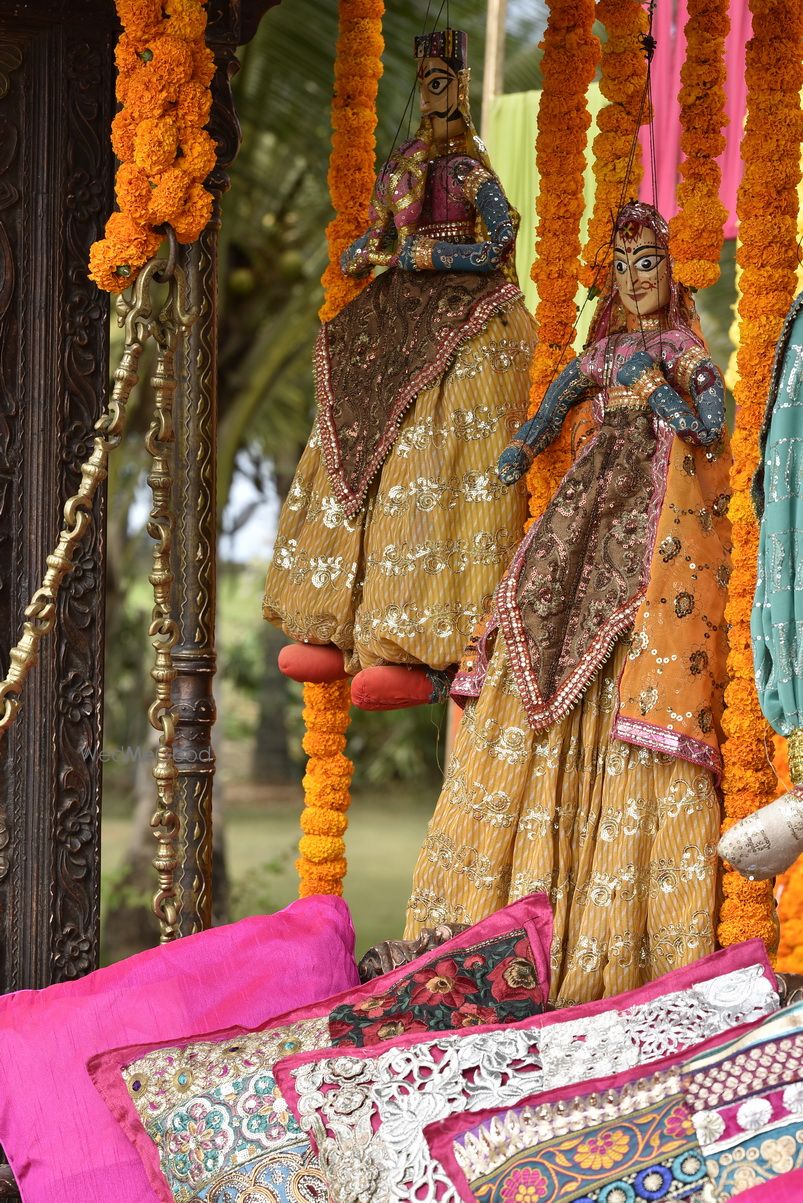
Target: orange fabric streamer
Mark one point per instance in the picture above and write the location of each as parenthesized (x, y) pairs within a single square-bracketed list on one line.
[(358, 65)]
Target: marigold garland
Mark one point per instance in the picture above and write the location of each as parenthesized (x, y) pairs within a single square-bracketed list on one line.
[(790, 914), (624, 72), (571, 53), (767, 255), (164, 69), (697, 232), (358, 65)]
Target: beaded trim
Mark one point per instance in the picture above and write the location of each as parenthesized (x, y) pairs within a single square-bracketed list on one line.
[(647, 384), (500, 299), (671, 743), (454, 230), (541, 713), (624, 398), (473, 182), (686, 365), (422, 253)]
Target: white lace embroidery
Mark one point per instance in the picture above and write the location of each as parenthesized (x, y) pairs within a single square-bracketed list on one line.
[(342, 1098)]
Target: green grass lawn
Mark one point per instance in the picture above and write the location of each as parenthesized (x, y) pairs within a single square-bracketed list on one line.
[(261, 829)]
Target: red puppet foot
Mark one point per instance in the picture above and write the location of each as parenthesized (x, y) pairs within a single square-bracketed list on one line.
[(316, 663), (395, 687)]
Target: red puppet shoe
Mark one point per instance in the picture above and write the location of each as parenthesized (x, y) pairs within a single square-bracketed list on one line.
[(316, 663), (397, 686)]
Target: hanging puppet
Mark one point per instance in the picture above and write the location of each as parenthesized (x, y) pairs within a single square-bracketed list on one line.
[(396, 528), (766, 843), (587, 760)]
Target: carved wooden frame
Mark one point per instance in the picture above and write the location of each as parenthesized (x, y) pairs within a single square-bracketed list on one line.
[(56, 104)]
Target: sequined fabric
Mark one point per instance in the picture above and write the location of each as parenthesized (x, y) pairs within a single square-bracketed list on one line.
[(622, 838), (408, 577), (637, 536), (396, 338)]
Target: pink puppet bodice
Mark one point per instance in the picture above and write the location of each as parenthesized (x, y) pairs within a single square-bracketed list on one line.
[(677, 350), (442, 210)]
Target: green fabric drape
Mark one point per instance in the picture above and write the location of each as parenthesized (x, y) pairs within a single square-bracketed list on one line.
[(512, 129), (777, 618)]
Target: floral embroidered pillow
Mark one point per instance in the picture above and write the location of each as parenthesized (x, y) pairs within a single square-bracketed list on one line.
[(630, 1140), (206, 1114), (365, 1109), (746, 1101)]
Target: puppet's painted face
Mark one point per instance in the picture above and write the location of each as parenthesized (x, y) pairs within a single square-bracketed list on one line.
[(641, 270), (439, 90)]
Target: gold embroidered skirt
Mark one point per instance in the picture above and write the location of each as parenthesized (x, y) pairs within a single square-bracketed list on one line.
[(622, 839), (407, 579)]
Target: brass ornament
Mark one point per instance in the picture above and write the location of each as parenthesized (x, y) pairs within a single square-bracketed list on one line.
[(137, 314)]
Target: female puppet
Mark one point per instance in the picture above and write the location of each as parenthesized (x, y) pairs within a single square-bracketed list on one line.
[(586, 765), (397, 529), (766, 843)]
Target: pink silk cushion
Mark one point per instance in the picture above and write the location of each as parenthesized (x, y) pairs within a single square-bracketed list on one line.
[(786, 1188), (59, 1137), (513, 941)]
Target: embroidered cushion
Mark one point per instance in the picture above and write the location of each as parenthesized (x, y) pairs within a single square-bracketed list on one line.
[(746, 1101), (59, 1137), (206, 1115), (630, 1139), (366, 1110)]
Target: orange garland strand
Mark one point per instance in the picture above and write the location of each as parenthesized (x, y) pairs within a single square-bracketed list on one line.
[(767, 210), (697, 232), (358, 65), (624, 72), (164, 69), (571, 53), (790, 913)]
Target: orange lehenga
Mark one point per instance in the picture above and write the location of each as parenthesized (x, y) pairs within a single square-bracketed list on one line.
[(604, 795)]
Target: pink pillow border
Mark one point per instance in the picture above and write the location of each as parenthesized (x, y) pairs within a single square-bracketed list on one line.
[(532, 914), (726, 960), (441, 1136), (46, 1037)]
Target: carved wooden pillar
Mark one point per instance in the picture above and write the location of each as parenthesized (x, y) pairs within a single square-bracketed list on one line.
[(194, 551), (56, 102)]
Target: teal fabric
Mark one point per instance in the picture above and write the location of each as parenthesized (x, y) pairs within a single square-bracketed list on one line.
[(777, 619), (511, 134)]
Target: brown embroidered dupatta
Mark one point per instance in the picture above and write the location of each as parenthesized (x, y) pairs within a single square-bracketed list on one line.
[(371, 361)]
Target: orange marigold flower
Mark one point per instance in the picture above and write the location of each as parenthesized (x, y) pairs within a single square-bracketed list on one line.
[(198, 154), (140, 18), (133, 191), (194, 106), (185, 18), (147, 98), (124, 127), (194, 216), (155, 144), (170, 58), (203, 64), (169, 196)]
